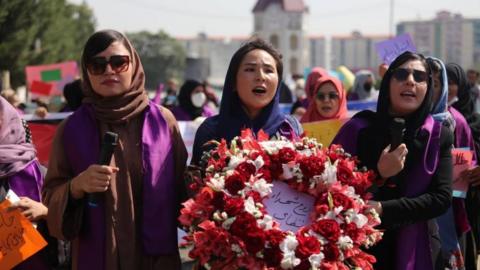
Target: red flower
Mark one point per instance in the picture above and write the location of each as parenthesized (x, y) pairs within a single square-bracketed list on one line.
[(331, 252), (265, 174), (275, 237), (233, 206), (246, 169), (242, 224), (235, 183), (328, 228), (286, 155), (353, 232), (345, 171), (254, 240), (312, 166), (307, 245), (218, 200), (276, 168), (273, 256)]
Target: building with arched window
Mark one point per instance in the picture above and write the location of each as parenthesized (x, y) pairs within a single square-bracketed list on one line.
[(283, 23)]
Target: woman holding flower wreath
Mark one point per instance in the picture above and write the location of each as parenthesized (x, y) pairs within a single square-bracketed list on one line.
[(250, 99), (415, 184)]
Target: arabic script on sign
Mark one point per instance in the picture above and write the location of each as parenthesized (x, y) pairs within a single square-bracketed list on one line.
[(289, 207)]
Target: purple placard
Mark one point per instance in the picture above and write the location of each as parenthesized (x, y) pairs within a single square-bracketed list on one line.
[(388, 50), (289, 207)]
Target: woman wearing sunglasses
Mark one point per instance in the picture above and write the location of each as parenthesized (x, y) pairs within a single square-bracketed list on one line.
[(250, 99), (133, 225), (414, 178), (329, 101)]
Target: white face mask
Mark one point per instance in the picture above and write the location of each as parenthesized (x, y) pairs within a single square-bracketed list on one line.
[(199, 99)]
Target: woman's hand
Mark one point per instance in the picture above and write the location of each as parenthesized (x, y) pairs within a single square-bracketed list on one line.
[(32, 210), (377, 206), (95, 178), (472, 176), (391, 163)]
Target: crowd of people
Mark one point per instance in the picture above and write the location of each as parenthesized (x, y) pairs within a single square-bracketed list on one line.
[(140, 191)]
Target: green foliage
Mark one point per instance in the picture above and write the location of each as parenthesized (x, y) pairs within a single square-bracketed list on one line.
[(34, 32), (162, 56)]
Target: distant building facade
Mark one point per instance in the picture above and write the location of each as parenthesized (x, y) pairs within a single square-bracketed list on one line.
[(213, 52), (283, 23), (448, 36)]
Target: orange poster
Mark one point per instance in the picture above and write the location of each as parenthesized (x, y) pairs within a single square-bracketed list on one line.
[(18, 238)]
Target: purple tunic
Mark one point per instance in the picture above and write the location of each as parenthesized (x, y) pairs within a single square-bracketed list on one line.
[(413, 247), (159, 230), (28, 183)]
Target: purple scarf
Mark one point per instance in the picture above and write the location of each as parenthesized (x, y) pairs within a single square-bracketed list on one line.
[(413, 244), (159, 230), (15, 153)]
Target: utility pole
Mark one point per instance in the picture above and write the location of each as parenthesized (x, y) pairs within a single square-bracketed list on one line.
[(392, 29)]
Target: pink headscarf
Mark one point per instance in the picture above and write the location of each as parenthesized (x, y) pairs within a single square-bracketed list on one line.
[(15, 153), (315, 74), (313, 115)]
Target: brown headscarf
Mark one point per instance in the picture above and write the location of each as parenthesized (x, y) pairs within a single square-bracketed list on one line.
[(121, 108)]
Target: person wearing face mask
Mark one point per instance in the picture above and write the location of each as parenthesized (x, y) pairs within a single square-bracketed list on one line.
[(250, 99), (330, 101), (363, 87), (414, 178), (139, 193), (192, 102)]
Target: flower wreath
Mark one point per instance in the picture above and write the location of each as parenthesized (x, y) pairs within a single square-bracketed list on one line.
[(229, 227)]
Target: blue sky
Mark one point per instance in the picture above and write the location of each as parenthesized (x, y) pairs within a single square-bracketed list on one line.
[(186, 18)]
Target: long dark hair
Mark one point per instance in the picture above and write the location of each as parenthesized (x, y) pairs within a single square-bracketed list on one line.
[(416, 119), (231, 113)]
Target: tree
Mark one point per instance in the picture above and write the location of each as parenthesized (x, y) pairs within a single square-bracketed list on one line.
[(41, 32), (162, 56)]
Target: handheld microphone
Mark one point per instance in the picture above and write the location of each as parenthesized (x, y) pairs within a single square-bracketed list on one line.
[(109, 142), (397, 130)]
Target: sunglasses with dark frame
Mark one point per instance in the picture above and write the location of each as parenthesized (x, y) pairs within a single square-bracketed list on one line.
[(118, 63), (332, 95), (401, 74)]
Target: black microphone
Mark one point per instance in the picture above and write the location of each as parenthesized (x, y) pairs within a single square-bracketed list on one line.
[(397, 130), (109, 142)]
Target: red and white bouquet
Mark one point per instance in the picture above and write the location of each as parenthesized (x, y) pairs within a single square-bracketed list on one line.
[(242, 216)]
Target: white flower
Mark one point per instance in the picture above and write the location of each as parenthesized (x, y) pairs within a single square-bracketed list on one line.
[(334, 214), (266, 223), (272, 147), (228, 222), (287, 171), (251, 208), (288, 246), (345, 242), (316, 259), (236, 248), (360, 220), (289, 261), (259, 162), (234, 162), (329, 175), (262, 187), (217, 182)]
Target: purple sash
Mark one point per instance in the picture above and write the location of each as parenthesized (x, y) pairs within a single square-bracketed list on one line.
[(159, 230), (413, 243)]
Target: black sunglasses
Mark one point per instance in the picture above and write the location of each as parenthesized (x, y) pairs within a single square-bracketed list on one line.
[(331, 95), (401, 74), (118, 63)]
